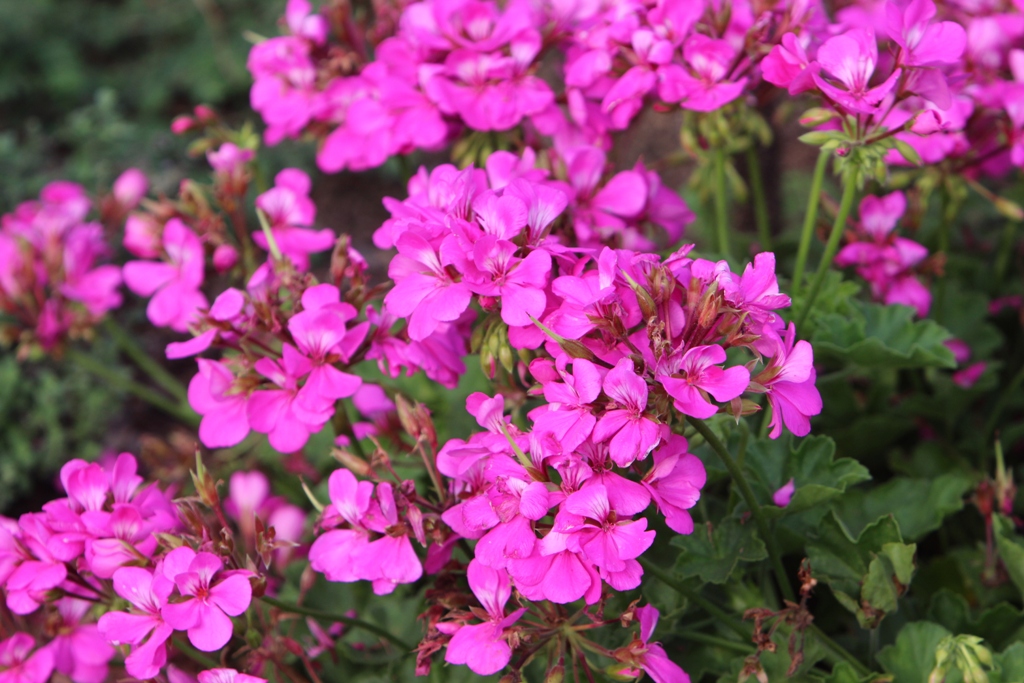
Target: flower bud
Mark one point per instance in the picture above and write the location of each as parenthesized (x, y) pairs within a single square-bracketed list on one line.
[(224, 258), (182, 124), (129, 188)]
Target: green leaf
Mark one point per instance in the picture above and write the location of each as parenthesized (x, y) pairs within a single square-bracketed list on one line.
[(867, 574), (877, 336), (1011, 549), (908, 152), (817, 477), (1009, 665), (843, 672), (912, 657), (919, 505), (712, 552), (999, 625)]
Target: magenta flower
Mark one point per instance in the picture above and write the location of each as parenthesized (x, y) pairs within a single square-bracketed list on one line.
[(18, 664), (924, 43), (277, 413), (493, 270), (568, 414), (784, 494), (653, 660), (143, 628), (788, 380), (850, 59), (212, 394), (675, 482), (425, 292), (697, 374), (483, 647), (174, 284), (80, 651), (788, 66), (209, 603), (633, 435), (129, 188), (389, 560), (228, 675), (702, 87), (290, 212), (38, 570), (612, 544), (513, 505), (332, 553)]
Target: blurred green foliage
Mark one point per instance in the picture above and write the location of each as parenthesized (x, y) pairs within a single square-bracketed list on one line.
[(48, 414), (88, 87)]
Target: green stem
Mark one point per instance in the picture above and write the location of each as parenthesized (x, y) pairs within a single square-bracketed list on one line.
[(947, 212), (748, 495), (721, 199), (1000, 404), (810, 218), (760, 202), (701, 637), (157, 372), (1006, 250), (350, 621), (194, 654), (727, 620), (838, 652), (831, 247), (154, 398)]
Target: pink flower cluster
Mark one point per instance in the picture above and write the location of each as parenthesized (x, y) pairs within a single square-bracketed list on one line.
[(471, 64), (886, 261), (51, 285), (114, 535)]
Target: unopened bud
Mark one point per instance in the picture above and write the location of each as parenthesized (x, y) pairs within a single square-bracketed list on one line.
[(555, 674), (206, 486)]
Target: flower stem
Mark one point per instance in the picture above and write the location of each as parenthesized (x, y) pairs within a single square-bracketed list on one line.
[(350, 621), (154, 398), (194, 654), (706, 639), (831, 247), (760, 202), (755, 509), (730, 622), (838, 652), (810, 218), (143, 360), (1006, 249), (721, 214)]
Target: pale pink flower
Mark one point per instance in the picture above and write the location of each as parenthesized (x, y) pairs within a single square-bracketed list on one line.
[(850, 59)]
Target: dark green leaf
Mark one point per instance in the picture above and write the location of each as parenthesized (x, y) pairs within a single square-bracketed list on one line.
[(877, 336), (1011, 549), (919, 505), (817, 476), (712, 552)]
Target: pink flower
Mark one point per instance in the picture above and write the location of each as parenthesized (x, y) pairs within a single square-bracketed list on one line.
[(211, 393), (654, 661), (787, 66), (144, 628), (18, 664), (210, 604), (704, 86), (590, 527), (924, 43), (689, 379), (174, 284), (633, 434), (788, 380), (850, 59), (333, 552), (494, 271), (290, 212), (568, 415), (784, 494), (228, 675), (80, 651), (38, 570), (425, 291), (129, 188), (675, 482), (229, 159), (287, 422), (483, 647)]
